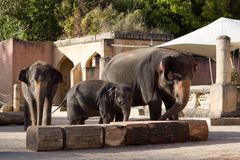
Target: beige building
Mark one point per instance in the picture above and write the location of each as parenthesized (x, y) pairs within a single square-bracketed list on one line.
[(78, 58)]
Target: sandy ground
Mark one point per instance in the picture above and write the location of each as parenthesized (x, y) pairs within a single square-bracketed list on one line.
[(223, 143)]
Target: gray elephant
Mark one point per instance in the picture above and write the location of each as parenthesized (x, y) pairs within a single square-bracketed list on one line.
[(39, 85), (156, 75), (97, 97)]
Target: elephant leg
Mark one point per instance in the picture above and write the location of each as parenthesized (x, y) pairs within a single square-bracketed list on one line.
[(100, 121), (30, 108), (82, 120), (169, 101), (27, 121), (33, 112), (72, 122), (155, 107), (118, 116)]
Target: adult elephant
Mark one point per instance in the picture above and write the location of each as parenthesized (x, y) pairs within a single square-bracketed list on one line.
[(156, 75), (39, 85)]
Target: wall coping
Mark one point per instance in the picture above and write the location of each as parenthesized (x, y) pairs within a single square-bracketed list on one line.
[(200, 88), (114, 35)]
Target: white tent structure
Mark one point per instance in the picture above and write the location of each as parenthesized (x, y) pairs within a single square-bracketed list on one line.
[(203, 41)]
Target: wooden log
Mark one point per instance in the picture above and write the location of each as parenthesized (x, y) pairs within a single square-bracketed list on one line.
[(83, 136), (198, 130), (7, 118), (137, 133), (44, 138), (114, 135), (168, 132)]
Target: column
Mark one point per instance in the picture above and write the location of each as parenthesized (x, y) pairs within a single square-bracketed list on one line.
[(223, 95), (16, 98), (102, 62), (84, 73), (223, 60)]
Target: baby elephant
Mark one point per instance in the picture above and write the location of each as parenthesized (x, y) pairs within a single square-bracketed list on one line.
[(97, 97)]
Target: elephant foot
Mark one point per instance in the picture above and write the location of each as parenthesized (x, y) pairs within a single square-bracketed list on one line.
[(162, 118)]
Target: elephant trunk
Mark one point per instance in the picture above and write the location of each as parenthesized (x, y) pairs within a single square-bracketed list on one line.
[(40, 95), (126, 113), (182, 91)]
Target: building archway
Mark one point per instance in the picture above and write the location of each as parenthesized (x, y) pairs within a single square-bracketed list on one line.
[(93, 61), (65, 66), (92, 67)]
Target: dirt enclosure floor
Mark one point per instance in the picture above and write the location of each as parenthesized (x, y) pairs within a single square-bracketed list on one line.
[(223, 144)]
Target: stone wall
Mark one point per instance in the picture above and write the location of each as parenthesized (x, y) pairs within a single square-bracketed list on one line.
[(6, 65), (202, 76)]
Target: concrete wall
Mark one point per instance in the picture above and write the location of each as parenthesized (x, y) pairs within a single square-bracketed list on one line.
[(76, 74), (26, 53), (6, 65), (133, 44), (16, 55), (92, 73), (202, 75), (80, 52)]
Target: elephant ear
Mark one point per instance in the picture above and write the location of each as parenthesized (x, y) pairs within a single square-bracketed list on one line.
[(23, 75), (105, 93), (104, 100), (146, 78), (56, 76), (166, 66)]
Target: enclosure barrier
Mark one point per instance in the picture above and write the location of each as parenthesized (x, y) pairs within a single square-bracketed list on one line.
[(48, 138)]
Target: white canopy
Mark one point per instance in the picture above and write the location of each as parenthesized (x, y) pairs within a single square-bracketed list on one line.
[(203, 41)]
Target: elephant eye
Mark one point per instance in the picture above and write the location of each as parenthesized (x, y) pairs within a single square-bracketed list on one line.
[(177, 77), (120, 101)]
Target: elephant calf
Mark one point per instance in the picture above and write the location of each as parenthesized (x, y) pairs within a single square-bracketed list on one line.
[(97, 97)]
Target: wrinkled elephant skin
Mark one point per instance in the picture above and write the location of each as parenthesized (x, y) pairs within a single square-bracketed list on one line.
[(156, 75), (39, 85)]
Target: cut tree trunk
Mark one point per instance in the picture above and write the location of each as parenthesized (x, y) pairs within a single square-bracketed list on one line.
[(114, 135), (8, 118), (83, 136), (44, 138)]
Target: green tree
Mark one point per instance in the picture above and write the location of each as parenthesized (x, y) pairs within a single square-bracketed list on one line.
[(132, 21), (99, 20), (35, 20)]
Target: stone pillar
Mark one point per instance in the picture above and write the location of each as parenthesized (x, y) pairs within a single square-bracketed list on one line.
[(76, 74), (16, 98), (102, 62), (84, 73), (223, 60), (223, 95)]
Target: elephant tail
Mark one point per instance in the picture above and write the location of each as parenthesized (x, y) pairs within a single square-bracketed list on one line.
[(61, 104)]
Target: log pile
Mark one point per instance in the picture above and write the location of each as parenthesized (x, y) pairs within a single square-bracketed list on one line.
[(115, 134), (8, 118)]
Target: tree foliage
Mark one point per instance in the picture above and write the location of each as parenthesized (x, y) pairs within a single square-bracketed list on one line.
[(33, 19), (54, 19)]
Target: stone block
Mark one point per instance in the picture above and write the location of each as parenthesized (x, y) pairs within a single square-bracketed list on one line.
[(225, 121), (223, 100)]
